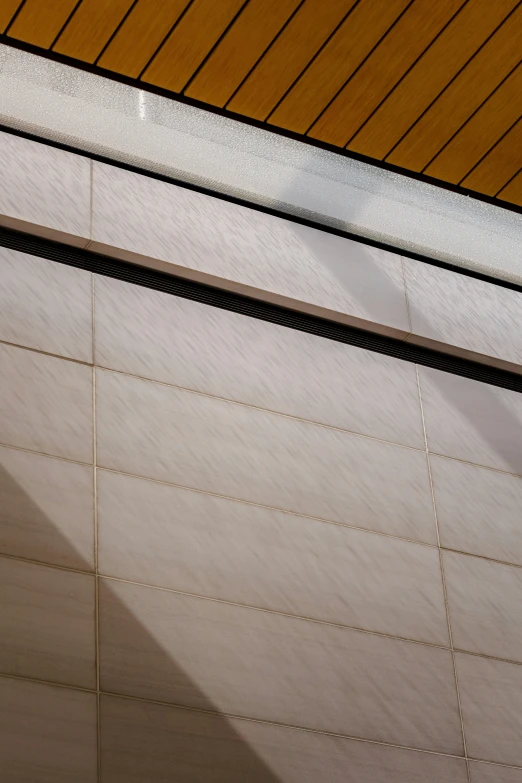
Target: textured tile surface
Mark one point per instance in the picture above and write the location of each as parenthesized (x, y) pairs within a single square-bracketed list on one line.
[(171, 537), (169, 339), (47, 623), (472, 421), (145, 742), (46, 404), (200, 653), (209, 236), (44, 186), (46, 509), (458, 310), (47, 734), (491, 696), (479, 510), (45, 305), (490, 773), (485, 601), (161, 432)]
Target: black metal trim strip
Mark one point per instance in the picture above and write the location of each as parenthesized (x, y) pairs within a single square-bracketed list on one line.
[(460, 270), (254, 308)]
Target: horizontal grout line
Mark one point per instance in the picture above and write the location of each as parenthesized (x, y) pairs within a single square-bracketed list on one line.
[(200, 711), (266, 610), (45, 353), (261, 505), (276, 612), (171, 705), (476, 464), (46, 454), (270, 411)]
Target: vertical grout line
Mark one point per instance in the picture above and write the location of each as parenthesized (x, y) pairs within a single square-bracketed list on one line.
[(444, 586), (96, 569)]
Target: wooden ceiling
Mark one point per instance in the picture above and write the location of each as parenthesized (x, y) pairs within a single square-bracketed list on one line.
[(428, 86)]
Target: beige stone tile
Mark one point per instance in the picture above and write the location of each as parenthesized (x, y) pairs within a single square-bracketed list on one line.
[(161, 432), (47, 623), (485, 601), (143, 742), (142, 219), (171, 537), (492, 773), (47, 734), (45, 305), (44, 190), (190, 344), (46, 509), (491, 696), (478, 509), (46, 404), (199, 653), (472, 421), (473, 315)]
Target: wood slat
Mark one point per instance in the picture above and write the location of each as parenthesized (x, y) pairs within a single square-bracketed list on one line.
[(488, 68), (140, 35), (513, 190), (8, 8), (429, 76), (499, 165), (241, 47), (288, 56), (39, 23), (190, 41), (481, 132), (90, 28), (405, 42), (362, 29)]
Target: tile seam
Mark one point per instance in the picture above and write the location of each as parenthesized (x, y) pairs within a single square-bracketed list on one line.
[(444, 584)]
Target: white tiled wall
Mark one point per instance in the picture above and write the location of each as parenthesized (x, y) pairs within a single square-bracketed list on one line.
[(227, 546)]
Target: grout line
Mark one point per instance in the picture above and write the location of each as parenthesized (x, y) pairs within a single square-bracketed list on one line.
[(261, 505), (45, 353), (95, 537), (43, 454), (476, 465), (68, 569), (276, 612), (444, 585), (271, 411)]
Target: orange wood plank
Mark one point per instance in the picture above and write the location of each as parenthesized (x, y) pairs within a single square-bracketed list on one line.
[(8, 8), (90, 28), (288, 56), (428, 77), (513, 190), (462, 97), (39, 23), (356, 37), (140, 35), (241, 47), (405, 42), (499, 165), (189, 43), (481, 132)]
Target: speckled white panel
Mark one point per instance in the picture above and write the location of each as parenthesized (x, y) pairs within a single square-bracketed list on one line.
[(215, 656), (195, 346), (44, 190), (144, 742), (206, 238), (161, 432), (158, 134), (463, 313)]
